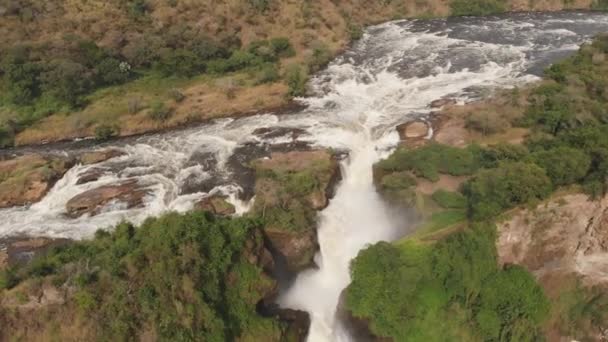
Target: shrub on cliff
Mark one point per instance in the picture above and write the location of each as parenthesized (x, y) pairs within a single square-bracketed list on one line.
[(510, 184), (431, 160), (450, 290), (564, 165)]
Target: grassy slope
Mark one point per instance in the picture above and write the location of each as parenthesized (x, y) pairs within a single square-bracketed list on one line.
[(306, 24)]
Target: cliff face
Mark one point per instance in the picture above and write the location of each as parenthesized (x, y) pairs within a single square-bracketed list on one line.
[(290, 188)]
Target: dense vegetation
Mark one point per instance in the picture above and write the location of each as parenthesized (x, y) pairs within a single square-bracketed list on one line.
[(447, 285), (450, 291), (39, 80), (183, 277)]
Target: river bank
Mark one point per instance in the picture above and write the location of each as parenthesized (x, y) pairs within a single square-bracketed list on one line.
[(325, 31)]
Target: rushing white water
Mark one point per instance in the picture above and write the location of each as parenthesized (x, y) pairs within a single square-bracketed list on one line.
[(387, 78)]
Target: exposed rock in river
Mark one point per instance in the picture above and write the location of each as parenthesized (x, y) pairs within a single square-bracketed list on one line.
[(27, 179), (442, 102), (129, 193), (99, 156), (216, 205)]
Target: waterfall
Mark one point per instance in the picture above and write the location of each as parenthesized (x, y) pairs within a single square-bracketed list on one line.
[(387, 78)]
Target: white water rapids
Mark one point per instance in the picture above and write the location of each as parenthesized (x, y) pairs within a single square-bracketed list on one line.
[(389, 77)]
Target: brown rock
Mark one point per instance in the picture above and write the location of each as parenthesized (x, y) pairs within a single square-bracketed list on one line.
[(95, 157), (216, 205), (566, 235), (298, 248), (92, 201), (298, 324), (90, 176), (20, 250), (442, 102), (413, 130), (27, 179)]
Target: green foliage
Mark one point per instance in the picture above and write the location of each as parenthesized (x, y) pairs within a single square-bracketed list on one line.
[(260, 5), (564, 165), (137, 8), (477, 7), (449, 200), (180, 62), (431, 160), (296, 79), (492, 191), (8, 279), (420, 292), (321, 55), (105, 132), (599, 5), (354, 31), (281, 47), (159, 111), (268, 73), (492, 156), (7, 137), (39, 82), (186, 276)]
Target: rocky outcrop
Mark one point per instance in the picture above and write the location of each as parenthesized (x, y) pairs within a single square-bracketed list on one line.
[(90, 175), (298, 248), (129, 193), (290, 187), (442, 103), (96, 157), (216, 205), (27, 179), (566, 235)]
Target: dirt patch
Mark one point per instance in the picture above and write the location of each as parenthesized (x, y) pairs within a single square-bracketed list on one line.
[(28, 178), (445, 182)]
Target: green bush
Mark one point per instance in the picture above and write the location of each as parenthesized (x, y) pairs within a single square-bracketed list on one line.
[(492, 156), (477, 7), (260, 5), (431, 160), (282, 47), (268, 73), (159, 111), (180, 62), (564, 165), (447, 291), (7, 137), (321, 55), (105, 132), (449, 200), (494, 190), (296, 79), (8, 279)]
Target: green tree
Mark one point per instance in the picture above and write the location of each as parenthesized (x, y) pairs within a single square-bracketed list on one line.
[(564, 165), (67, 81), (494, 190)]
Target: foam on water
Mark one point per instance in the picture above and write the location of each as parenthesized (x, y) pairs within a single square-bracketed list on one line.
[(389, 77)]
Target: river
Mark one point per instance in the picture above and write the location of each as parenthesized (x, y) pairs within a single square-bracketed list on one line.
[(387, 78)]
